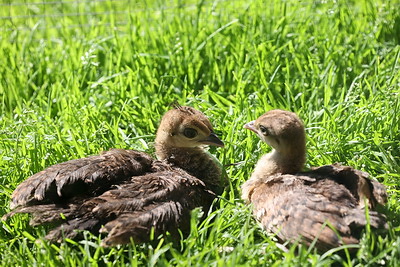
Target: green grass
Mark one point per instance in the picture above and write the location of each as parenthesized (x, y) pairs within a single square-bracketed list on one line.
[(69, 90)]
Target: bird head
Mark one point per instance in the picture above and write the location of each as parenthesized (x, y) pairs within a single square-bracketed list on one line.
[(282, 130), (186, 127)]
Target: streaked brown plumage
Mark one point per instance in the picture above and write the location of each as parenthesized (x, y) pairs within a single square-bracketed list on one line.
[(126, 193), (305, 206)]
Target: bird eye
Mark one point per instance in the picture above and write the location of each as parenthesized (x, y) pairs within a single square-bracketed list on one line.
[(189, 132), (264, 130)]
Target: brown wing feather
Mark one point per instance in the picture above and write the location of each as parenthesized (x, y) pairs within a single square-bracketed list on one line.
[(309, 205), (161, 201), (91, 175), (164, 204), (162, 217), (357, 182)]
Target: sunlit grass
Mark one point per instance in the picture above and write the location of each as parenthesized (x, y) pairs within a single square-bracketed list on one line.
[(69, 90)]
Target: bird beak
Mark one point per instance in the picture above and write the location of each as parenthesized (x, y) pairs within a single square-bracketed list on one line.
[(250, 126), (212, 140)]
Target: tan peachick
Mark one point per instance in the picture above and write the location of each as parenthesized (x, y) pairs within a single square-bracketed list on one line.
[(326, 204)]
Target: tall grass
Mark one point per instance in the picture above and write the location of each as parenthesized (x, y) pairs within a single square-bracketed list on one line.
[(75, 85)]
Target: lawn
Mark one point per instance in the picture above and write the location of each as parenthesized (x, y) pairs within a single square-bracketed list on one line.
[(80, 77)]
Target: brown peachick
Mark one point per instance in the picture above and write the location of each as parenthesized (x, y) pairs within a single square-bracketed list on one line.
[(127, 194), (327, 204)]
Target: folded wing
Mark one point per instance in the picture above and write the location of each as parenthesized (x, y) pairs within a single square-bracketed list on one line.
[(325, 205), (155, 198), (85, 176)]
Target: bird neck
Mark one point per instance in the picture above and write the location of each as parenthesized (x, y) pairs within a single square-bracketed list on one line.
[(196, 161), (287, 161)]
